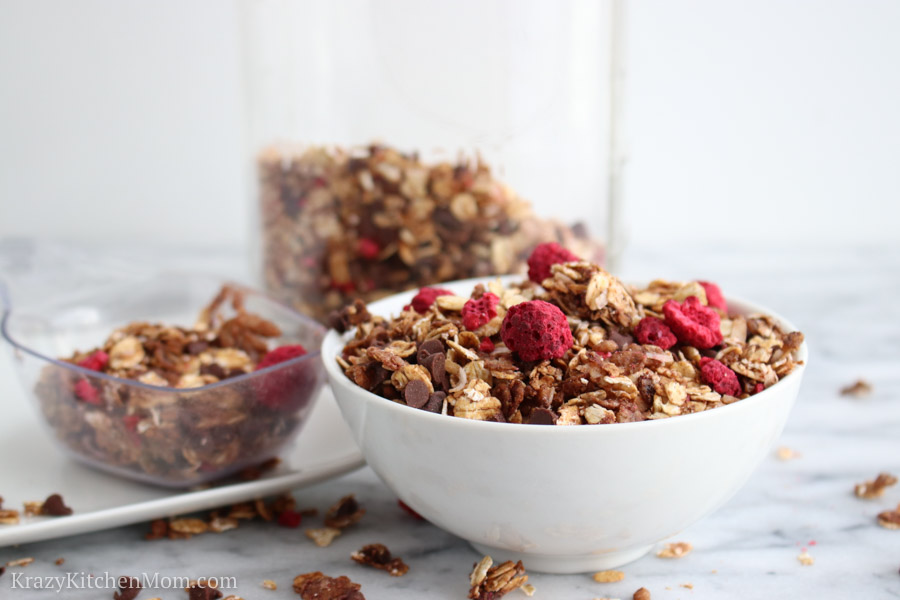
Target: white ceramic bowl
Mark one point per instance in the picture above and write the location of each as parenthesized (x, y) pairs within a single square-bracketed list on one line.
[(561, 499)]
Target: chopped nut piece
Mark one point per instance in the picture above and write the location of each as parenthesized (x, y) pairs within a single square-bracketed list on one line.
[(805, 559), (269, 584), (344, 512), (378, 556), (875, 488), (785, 453), (675, 550), (890, 519), (318, 586), (323, 536), (642, 594), (9, 517), (221, 524), (608, 576), (189, 526), (857, 389), (490, 582), (21, 562)]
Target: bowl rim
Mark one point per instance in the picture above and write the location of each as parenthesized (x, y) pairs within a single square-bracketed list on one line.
[(9, 313), (333, 343)]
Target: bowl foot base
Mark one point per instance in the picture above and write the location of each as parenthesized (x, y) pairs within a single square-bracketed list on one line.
[(564, 563)]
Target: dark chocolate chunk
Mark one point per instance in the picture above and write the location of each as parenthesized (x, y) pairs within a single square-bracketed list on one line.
[(542, 416), (215, 370), (436, 365), (197, 347), (55, 507), (416, 393), (129, 588), (435, 402)]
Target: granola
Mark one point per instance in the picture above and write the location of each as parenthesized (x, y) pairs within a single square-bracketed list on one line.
[(890, 519), (489, 582), (585, 362), (675, 550), (857, 389), (179, 429), (378, 556), (875, 488), (318, 586), (340, 224)]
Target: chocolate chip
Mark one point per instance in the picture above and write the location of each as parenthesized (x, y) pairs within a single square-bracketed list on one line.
[(55, 507), (416, 393), (197, 347), (542, 416), (215, 370), (428, 347), (198, 591), (129, 588), (435, 402), (436, 365)]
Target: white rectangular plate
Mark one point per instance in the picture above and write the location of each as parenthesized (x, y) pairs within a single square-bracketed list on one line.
[(32, 468)]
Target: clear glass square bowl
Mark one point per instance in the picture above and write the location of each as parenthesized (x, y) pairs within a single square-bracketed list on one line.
[(160, 435)]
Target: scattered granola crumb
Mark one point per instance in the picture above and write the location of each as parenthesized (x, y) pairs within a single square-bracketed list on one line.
[(875, 488), (20, 562), (857, 389), (54, 506), (378, 556), (129, 588), (200, 591), (491, 582), (269, 584), (890, 519), (323, 536), (785, 453), (189, 526), (608, 576), (528, 589), (688, 586), (59, 561), (805, 559), (318, 586), (344, 512), (32, 508), (642, 594), (9, 517), (231, 597), (675, 550)]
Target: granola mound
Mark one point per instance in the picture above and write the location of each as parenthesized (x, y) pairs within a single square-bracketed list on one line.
[(634, 353)]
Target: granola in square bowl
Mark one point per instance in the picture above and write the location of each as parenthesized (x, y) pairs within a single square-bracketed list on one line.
[(572, 345)]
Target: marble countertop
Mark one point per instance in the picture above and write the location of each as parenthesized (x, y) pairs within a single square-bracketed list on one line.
[(845, 302)]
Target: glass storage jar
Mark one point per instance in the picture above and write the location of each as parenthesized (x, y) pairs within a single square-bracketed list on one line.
[(401, 143)]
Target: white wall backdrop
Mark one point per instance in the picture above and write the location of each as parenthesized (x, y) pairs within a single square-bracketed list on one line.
[(768, 121)]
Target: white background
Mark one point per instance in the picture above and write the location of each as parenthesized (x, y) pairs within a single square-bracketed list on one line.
[(758, 122)]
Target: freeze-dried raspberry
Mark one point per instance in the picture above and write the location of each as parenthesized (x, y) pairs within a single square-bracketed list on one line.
[(96, 361), (85, 391), (692, 323), (279, 355), (284, 389), (719, 377), (486, 345), (654, 331), (476, 313), (536, 330), (368, 248), (422, 301), (714, 296), (406, 508), (290, 518), (545, 256), (758, 388)]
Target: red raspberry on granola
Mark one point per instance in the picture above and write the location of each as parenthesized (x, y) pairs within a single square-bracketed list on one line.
[(476, 313), (545, 256), (422, 301), (282, 389), (96, 361), (654, 331), (536, 330), (719, 377), (85, 391), (714, 296), (692, 323)]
